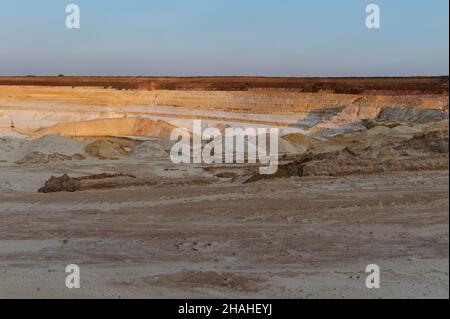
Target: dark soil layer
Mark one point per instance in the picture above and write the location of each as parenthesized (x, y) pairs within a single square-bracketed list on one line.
[(383, 86)]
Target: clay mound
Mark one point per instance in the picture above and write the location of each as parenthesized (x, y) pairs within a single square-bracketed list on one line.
[(105, 149), (34, 158), (111, 127), (66, 183), (60, 184), (9, 147), (149, 150)]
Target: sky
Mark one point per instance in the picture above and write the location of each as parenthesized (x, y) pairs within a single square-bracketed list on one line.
[(224, 37)]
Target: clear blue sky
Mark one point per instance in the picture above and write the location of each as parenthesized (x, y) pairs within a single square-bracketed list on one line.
[(224, 37)]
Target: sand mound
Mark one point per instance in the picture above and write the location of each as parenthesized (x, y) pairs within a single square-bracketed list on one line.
[(56, 144), (328, 147), (105, 149), (384, 142), (12, 133), (149, 150), (405, 130), (412, 115), (400, 131), (111, 127), (345, 164), (359, 166), (287, 148), (6, 187), (44, 150), (300, 139), (369, 155), (432, 142), (284, 147), (146, 127), (379, 130), (442, 126)]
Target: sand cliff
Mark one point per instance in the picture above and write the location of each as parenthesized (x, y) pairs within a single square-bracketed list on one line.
[(37, 107)]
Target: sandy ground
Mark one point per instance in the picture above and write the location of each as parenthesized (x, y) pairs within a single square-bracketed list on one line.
[(153, 229), (284, 238)]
